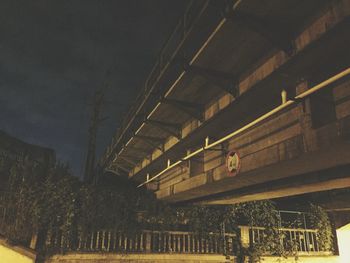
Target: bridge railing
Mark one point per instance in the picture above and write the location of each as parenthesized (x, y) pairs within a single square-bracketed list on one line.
[(146, 242), (304, 242)]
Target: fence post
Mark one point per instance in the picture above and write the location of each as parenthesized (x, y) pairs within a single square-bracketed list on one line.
[(91, 241), (97, 240), (109, 241), (245, 240), (33, 241), (141, 242), (148, 240), (79, 241)]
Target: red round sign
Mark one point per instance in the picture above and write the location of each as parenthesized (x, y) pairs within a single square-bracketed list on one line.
[(233, 163)]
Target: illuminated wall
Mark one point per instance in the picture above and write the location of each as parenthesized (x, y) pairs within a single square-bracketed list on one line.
[(343, 236), (15, 255)]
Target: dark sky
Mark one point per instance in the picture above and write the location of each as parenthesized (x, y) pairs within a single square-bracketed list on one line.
[(54, 54)]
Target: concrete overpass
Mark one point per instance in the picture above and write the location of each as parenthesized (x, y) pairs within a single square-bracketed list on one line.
[(224, 66)]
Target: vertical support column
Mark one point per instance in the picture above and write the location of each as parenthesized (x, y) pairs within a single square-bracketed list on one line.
[(309, 136)]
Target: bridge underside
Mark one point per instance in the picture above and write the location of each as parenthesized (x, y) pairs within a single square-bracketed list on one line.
[(226, 72), (286, 155)]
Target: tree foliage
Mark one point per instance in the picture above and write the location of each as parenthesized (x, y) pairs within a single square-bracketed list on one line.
[(53, 201)]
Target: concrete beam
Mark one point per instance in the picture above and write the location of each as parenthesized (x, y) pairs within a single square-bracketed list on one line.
[(139, 150), (121, 167), (154, 142), (224, 80), (128, 160), (284, 192), (194, 110), (274, 30), (169, 128)]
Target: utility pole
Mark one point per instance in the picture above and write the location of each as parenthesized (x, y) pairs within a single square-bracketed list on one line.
[(95, 121)]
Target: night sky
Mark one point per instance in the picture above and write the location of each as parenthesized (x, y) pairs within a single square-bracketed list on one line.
[(55, 53)]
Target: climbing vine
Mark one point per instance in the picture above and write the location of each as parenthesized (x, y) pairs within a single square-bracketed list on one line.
[(320, 221)]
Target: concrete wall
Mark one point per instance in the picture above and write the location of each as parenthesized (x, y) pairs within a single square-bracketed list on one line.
[(343, 237), (15, 254)]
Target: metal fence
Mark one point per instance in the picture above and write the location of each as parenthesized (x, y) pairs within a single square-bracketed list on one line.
[(146, 242), (304, 241)]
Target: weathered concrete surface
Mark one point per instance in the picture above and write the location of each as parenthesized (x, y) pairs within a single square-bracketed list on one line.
[(15, 254), (150, 258)]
